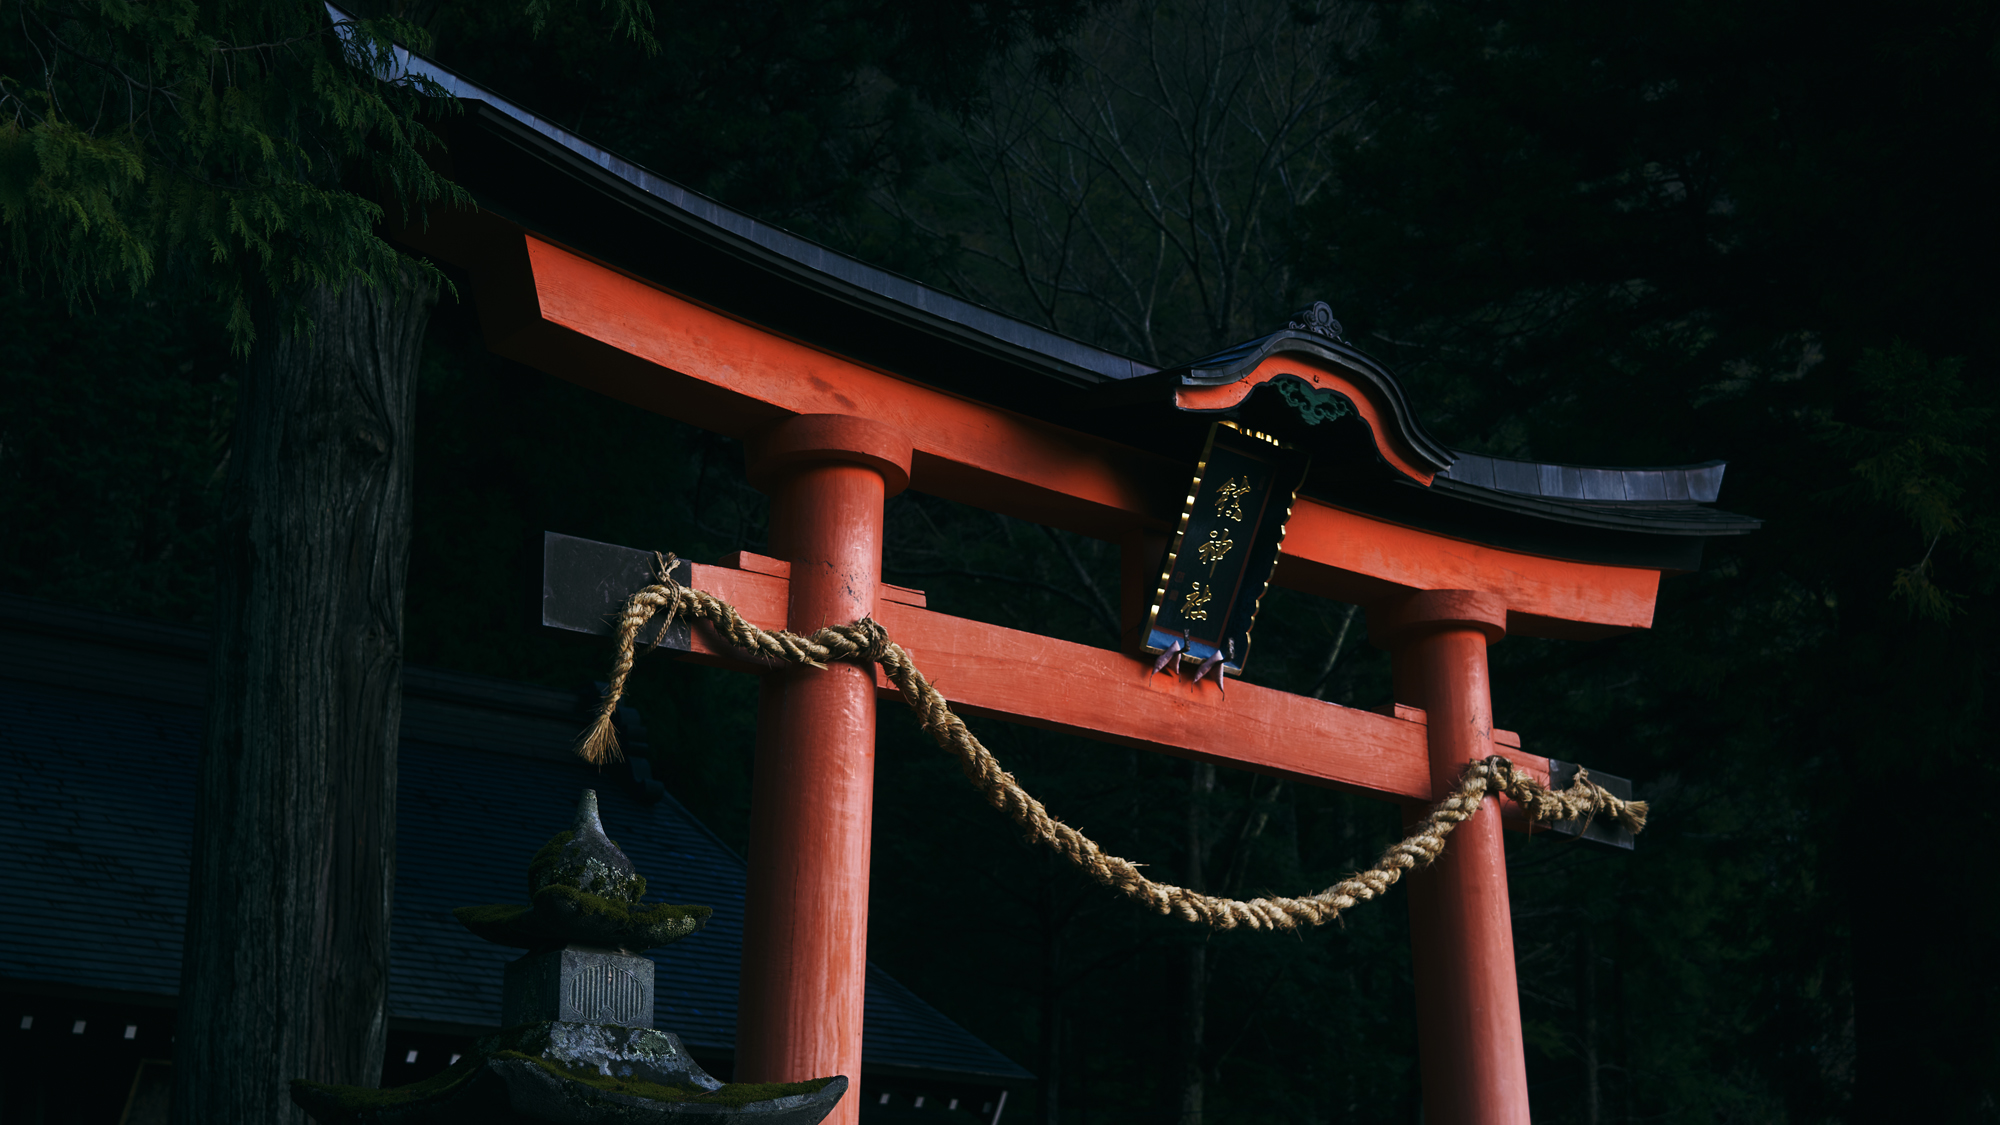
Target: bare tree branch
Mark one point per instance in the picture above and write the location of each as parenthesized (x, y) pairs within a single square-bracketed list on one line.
[(1143, 202)]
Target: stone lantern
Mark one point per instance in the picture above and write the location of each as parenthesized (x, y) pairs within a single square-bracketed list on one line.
[(579, 1046)]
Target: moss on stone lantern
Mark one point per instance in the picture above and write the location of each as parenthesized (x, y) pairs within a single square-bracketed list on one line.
[(580, 1047)]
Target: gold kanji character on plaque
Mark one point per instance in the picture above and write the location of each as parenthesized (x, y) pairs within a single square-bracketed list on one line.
[(1229, 498), (1191, 607), (1216, 549)]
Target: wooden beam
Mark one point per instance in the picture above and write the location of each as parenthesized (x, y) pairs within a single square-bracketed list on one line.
[(1359, 559), (992, 671), (662, 352), (594, 325)]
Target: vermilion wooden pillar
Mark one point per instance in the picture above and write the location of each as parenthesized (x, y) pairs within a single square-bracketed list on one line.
[(805, 940), (1461, 931)]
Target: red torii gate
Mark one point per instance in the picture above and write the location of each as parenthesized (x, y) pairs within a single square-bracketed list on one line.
[(845, 385)]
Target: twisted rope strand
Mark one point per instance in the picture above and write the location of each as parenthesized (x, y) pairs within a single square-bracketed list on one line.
[(867, 640)]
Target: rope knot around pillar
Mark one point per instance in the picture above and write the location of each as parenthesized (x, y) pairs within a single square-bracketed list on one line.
[(866, 639)]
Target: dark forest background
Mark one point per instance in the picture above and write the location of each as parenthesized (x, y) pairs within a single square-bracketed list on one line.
[(1580, 232)]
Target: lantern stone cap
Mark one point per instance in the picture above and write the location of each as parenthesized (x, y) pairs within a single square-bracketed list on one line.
[(583, 891)]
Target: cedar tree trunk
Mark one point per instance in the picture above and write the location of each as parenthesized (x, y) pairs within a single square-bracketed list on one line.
[(285, 967)]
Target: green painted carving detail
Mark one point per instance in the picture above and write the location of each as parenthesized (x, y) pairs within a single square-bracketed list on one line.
[(1314, 405)]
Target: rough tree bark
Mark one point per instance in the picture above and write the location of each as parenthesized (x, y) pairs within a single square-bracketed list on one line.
[(284, 970)]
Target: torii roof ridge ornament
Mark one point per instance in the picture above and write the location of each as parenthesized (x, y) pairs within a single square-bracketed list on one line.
[(1318, 318), (1697, 483), (1221, 383), (1308, 386)]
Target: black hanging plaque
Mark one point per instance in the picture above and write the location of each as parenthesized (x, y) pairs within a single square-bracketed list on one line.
[(1226, 546)]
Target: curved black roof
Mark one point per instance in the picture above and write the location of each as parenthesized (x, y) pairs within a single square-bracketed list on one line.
[(1233, 363), (773, 249), (1699, 484), (547, 179)]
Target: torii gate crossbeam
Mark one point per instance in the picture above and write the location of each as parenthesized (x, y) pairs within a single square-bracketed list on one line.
[(1089, 692)]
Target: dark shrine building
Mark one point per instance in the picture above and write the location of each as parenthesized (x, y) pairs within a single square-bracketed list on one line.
[(100, 724)]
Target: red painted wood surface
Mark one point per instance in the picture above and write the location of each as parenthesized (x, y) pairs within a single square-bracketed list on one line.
[(805, 927), (993, 671), (1373, 407), (779, 568), (1474, 1065), (1366, 561), (670, 355), (596, 326)]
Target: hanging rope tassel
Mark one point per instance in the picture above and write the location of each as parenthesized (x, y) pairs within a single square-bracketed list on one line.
[(866, 640)]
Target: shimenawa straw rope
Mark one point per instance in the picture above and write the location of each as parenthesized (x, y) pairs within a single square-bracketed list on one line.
[(865, 639)]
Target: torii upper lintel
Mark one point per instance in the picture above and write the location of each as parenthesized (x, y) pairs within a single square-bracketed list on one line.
[(601, 327)]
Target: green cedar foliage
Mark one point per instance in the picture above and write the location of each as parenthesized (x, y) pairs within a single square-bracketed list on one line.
[(248, 149), (1916, 447)]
